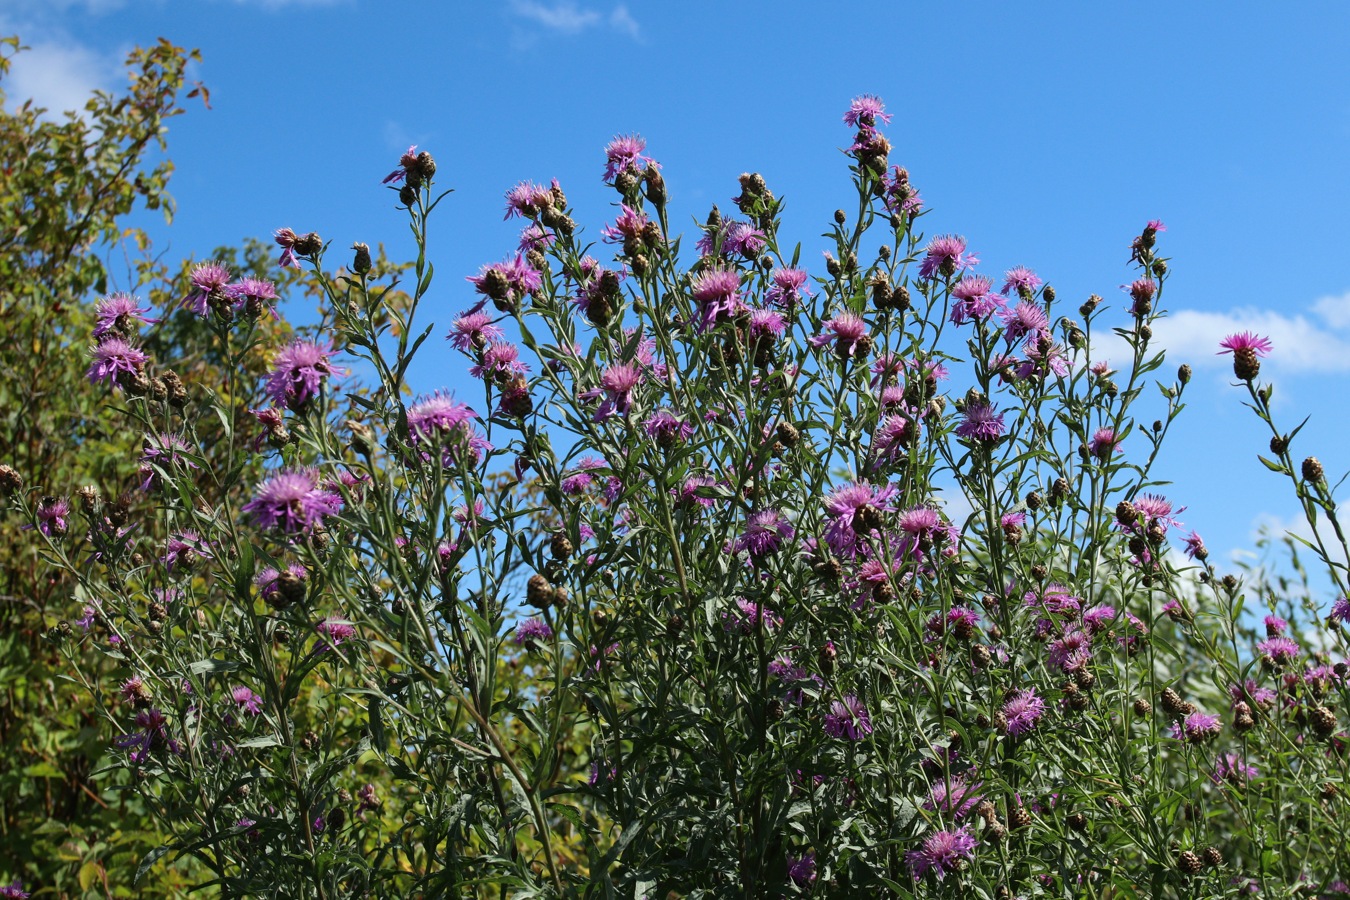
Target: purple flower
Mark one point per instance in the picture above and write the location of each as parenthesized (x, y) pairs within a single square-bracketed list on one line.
[(975, 299), (1340, 611), (1245, 341), (208, 279), (1043, 356), (255, 290), (248, 701), (1278, 651), (292, 501), (848, 719), (624, 154), (166, 452), (581, 478), (1071, 651), (1099, 618), (51, 515), (531, 631), (1232, 768), (717, 292), (499, 363), (892, 438), (115, 361), (334, 632), (473, 330), (527, 199), (298, 372), (1104, 443), (405, 162), (954, 796), (848, 331), (898, 194), (801, 869), (506, 282), (748, 616), (1022, 280), (184, 550), (854, 510), (942, 852), (1025, 320), (981, 422), (15, 891), (618, 383), (865, 110), (668, 429), (789, 286), (1250, 690), (764, 534), (440, 421), (266, 580), (627, 228), (1196, 728), (116, 312), (1023, 709), (286, 240), (688, 493), (946, 255)]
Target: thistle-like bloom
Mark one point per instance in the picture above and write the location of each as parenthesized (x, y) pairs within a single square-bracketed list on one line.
[(975, 299), (946, 255), (717, 292), (748, 616), (865, 110), (942, 852), (1099, 618), (848, 332), (1278, 651), (298, 371), (248, 701), (527, 199), (848, 719), (473, 330), (1022, 280), (1023, 709), (921, 527), (286, 240), (249, 290), (532, 631), (766, 326), (981, 421), (266, 580), (184, 549), (334, 632), (116, 315), (51, 515), (627, 227), (789, 286), (440, 421), (116, 362), (405, 162), (667, 428), (581, 477), (891, 439), (1025, 320), (1340, 611), (764, 534), (498, 363), (1197, 728), (1104, 443), (1232, 768), (1247, 349), (210, 278), (898, 194), (955, 796), (1071, 651), (624, 154), (618, 383), (508, 281), (688, 493), (855, 510), (293, 502), (801, 869), (15, 891), (165, 451)]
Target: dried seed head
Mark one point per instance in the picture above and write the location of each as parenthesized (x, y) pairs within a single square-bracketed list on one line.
[(538, 592), (1142, 708), (1213, 858), (1323, 721), (1312, 469), (1188, 863)]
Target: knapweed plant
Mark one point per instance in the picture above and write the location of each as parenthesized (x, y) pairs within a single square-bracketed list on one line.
[(746, 574)]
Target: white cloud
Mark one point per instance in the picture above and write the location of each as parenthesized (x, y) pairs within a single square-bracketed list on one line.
[(568, 17), (1315, 340), (1273, 528), (60, 76)]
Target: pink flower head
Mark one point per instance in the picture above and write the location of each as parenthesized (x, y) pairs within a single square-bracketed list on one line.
[(848, 332), (789, 286), (507, 282), (717, 292), (441, 421), (334, 632), (1233, 769), (955, 796), (1071, 651), (531, 632), (627, 227), (624, 154), (801, 869), (865, 110), (688, 492), (293, 502), (892, 438), (298, 371), (618, 382), (248, 701), (499, 363), (1026, 320), (1043, 356), (1022, 280), (581, 478), (51, 515), (1099, 618), (981, 421), (252, 290), (848, 719), (1023, 709), (1196, 728), (898, 194), (667, 428), (1104, 443), (527, 199), (748, 616), (766, 325), (764, 534), (1141, 291), (405, 162), (286, 240), (472, 330), (855, 510), (208, 279), (115, 362), (942, 852), (1279, 651), (1340, 611), (946, 255), (116, 315), (975, 299), (1246, 340)]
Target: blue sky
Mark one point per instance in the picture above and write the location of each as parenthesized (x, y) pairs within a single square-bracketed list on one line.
[(1046, 133)]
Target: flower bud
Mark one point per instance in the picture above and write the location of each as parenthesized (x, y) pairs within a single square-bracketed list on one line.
[(10, 480), (1312, 469), (361, 262)]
